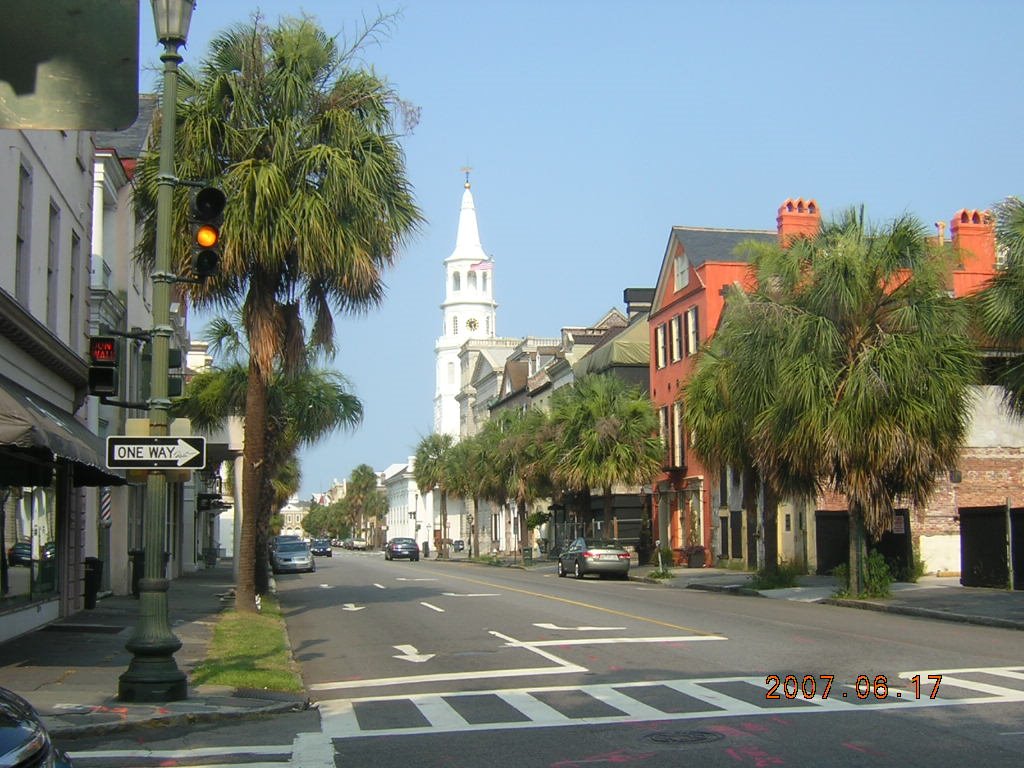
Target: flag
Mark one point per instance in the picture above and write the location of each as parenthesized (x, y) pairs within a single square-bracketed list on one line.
[(105, 506), (480, 266)]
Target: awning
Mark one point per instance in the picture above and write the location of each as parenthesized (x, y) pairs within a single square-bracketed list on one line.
[(45, 432)]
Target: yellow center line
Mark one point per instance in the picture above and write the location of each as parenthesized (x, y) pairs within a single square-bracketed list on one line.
[(579, 604)]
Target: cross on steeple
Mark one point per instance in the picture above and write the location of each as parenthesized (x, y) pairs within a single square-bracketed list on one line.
[(466, 169)]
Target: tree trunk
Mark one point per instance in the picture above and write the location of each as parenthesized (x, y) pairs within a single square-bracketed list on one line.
[(252, 483), (858, 550), (609, 509), (771, 530), (262, 559), (749, 502), (443, 553)]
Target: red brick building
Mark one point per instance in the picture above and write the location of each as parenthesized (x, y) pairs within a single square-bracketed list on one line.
[(693, 507)]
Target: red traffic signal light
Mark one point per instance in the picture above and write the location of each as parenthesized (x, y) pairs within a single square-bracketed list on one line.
[(102, 350), (103, 372)]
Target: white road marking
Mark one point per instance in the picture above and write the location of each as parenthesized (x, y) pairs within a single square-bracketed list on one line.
[(513, 643), (432, 607), (409, 653), (403, 578), (577, 629), (352, 607), (471, 594), (615, 640), (312, 750), (379, 586), (440, 677), (339, 720)]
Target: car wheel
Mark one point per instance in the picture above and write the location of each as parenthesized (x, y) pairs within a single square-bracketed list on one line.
[(577, 570), (415, 559), (561, 570)]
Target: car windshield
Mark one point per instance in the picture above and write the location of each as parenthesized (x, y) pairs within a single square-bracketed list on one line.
[(402, 541), (291, 546), (604, 544)]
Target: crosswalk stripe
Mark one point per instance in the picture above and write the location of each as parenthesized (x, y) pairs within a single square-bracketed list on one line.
[(339, 717)]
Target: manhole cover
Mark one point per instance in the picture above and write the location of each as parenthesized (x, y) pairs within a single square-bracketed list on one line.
[(684, 737)]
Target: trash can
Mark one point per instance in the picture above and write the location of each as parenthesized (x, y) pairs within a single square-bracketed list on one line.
[(527, 555), (93, 578), (138, 557), (426, 549)]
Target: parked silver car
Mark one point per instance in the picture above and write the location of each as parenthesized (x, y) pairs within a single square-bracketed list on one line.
[(605, 558), (292, 557)]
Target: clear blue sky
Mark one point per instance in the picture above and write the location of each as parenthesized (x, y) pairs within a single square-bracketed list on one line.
[(594, 126)]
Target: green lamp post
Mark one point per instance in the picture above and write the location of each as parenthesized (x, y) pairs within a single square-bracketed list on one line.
[(152, 674)]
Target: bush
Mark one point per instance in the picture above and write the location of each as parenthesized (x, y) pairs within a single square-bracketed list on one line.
[(877, 578), (783, 576)]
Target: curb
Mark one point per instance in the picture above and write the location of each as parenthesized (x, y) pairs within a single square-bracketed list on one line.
[(71, 732), (925, 613)]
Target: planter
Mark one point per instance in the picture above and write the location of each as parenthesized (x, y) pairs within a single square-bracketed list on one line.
[(694, 557)]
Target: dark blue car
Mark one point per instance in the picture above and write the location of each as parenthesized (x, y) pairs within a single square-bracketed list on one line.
[(23, 737), (402, 549)]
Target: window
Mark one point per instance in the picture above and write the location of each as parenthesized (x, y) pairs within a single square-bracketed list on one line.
[(451, 373), (52, 266), (483, 282), (22, 263), (682, 271), (659, 343), (1001, 256), (471, 280), (75, 326), (678, 449), (456, 281), (675, 338), (692, 331), (663, 428), (455, 326)]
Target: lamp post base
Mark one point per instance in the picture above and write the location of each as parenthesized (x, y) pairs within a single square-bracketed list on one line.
[(152, 680)]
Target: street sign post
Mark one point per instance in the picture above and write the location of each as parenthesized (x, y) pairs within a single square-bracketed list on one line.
[(127, 452)]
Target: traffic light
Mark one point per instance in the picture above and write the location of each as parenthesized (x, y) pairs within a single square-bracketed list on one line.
[(206, 216), (103, 373)]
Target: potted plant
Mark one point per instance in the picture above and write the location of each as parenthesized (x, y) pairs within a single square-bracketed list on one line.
[(694, 556)]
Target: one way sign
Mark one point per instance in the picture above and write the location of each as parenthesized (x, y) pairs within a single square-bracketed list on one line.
[(125, 452)]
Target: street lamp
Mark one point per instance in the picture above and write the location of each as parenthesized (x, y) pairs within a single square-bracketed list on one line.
[(152, 674)]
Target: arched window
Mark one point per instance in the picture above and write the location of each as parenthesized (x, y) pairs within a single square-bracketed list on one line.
[(471, 282), (484, 285), (451, 373), (456, 281)]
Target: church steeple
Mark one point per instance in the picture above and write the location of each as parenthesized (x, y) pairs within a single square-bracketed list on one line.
[(467, 240), (469, 310)]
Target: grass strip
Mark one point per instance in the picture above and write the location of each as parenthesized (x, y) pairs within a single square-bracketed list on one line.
[(250, 650)]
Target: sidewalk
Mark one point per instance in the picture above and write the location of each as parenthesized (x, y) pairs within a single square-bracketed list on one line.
[(69, 670)]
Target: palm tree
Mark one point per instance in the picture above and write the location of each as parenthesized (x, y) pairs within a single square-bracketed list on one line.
[(606, 434), (432, 471), (999, 306), (306, 408), (363, 501), (869, 375), (301, 139)]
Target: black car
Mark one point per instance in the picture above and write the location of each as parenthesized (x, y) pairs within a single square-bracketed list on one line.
[(24, 741), (322, 547), (400, 548)]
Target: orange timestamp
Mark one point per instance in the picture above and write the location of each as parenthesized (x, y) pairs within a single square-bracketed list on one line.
[(865, 687)]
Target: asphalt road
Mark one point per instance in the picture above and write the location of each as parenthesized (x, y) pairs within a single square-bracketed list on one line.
[(450, 664)]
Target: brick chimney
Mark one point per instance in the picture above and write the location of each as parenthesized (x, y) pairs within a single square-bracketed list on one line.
[(974, 237), (797, 218)]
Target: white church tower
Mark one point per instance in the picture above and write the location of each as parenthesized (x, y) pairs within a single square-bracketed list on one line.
[(468, 312)]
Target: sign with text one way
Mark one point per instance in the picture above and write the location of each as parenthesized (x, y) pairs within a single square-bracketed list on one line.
[(126, 452)]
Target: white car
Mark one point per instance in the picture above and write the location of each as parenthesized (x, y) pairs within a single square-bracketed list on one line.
[(358, 543)]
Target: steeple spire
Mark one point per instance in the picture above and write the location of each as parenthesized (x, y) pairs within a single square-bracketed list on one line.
[(467, 241)]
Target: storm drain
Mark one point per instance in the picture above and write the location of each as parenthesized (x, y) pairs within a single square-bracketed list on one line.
[(684, 737)]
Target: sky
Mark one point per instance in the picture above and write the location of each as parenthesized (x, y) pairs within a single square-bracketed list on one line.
[(593, 127)]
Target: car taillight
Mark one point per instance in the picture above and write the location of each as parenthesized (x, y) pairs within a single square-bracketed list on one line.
[(588, 554), (623, 555)]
